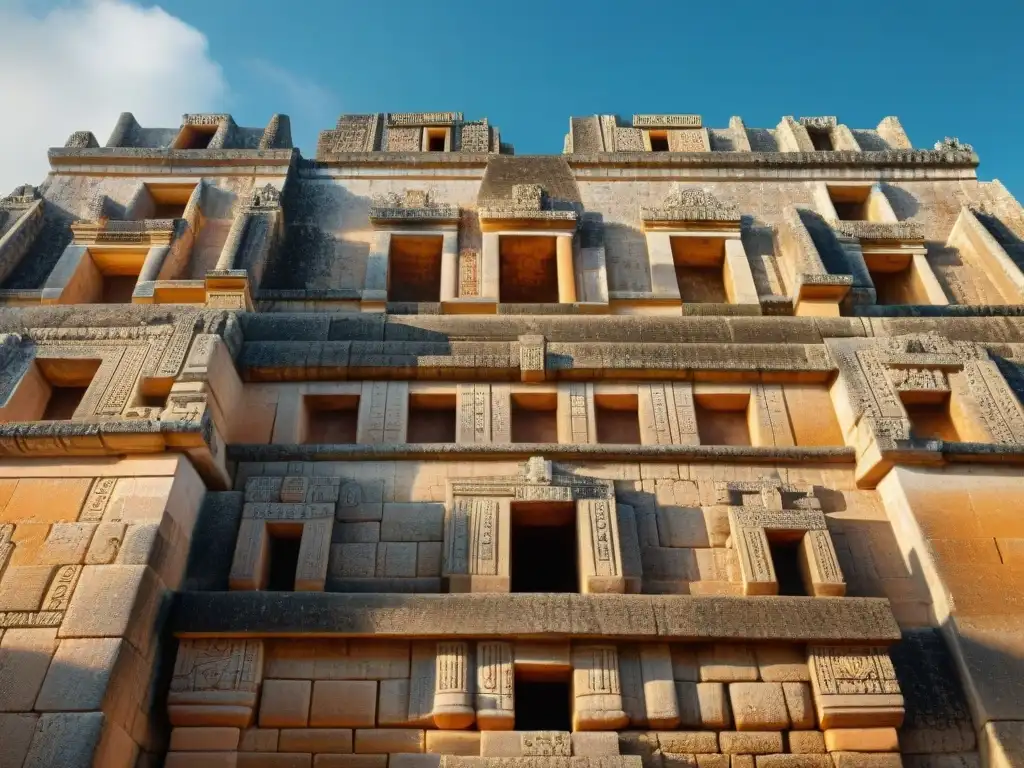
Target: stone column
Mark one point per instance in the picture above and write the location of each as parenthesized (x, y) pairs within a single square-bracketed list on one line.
[(855, 687), (495, 686), (476, 545), (450, 266), (453, 693), (597, 695), (600, 557), (566, 273), (663, 267)]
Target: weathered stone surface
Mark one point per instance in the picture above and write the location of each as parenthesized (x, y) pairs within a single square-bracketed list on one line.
[(758, 706), (476, 615), (65, 739)]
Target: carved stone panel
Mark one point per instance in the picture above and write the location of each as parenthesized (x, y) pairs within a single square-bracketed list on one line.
[(495, 686), (476, 541), (215, 681), (855, 687), (597, 695), (600, 554)]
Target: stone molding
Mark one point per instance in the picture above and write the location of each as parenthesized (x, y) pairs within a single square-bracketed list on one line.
[(498, 616), (414, 206)]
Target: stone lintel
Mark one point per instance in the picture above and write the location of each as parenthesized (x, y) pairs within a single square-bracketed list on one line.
[(550, 616)]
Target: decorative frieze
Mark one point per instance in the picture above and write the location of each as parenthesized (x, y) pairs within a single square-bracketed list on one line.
[(666, 121), (688, 203), (215, 682)]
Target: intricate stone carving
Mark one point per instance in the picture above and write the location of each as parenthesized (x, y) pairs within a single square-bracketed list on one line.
[(267, 197), (413, 205), (854, 687), (423, 118), (822, 123), (666, 121), (687, 203), (952, 144), (495, 686)]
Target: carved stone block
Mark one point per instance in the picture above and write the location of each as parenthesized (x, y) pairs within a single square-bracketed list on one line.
[(854, 687), (495, 685), (597, 695)]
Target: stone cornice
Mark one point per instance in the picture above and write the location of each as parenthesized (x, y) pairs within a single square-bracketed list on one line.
[(559, 451), (846, 158), (675, 617), (64, 158)]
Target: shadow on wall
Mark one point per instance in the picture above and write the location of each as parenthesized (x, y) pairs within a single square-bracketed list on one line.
[(904, 204), (312, 255)]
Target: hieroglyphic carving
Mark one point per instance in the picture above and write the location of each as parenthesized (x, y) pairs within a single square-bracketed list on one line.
[(999, 408), (495, 686), (404, 139), (422, 682), (30, 619), (689, 140), (58, 596), (501, 413), (217, 665), (469, 272), (579, 432), (424, 118), (96, 502), (597, 694), (666, 121), (545, 744)]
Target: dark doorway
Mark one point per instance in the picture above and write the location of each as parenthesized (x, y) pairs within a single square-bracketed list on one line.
[(543, 548), (786, 559), (283, 556), (543, 705)]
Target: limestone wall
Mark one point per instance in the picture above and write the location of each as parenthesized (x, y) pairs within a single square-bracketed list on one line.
[(90, 554)]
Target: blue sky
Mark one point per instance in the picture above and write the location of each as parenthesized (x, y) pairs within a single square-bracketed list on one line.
[(944, 68)]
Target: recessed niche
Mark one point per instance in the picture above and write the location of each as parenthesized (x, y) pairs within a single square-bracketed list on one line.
[(431, 419), (821, 139), (930, 419), (436, 139), (69, 380), (700, 269), (722, 419), (534, 417), (331, 418), (659, 141), (851, 203), (195, 136), (528, 271), (617, 420), (414, 268)]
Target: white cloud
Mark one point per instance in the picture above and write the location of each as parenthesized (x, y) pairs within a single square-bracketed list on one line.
[(79, 66)]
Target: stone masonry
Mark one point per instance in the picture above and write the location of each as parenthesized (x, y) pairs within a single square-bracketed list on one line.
[(691, 447)]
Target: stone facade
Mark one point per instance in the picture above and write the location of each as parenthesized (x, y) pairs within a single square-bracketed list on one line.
[(691, 446)]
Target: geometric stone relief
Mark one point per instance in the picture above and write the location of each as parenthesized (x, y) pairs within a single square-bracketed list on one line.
[(768, 508), (875, 372), (215, 682), (129, 360), (854, 687)]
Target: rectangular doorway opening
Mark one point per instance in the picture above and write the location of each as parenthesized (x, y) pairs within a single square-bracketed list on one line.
[(785, 553), (542, 547), (821, 139), (542, 704), (283, 541), (414, 268), (850, 202), (659, 141), (700, 269), (436, 139)]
